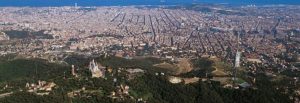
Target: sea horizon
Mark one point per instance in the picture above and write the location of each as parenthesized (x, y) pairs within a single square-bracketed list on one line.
[(85, 3)]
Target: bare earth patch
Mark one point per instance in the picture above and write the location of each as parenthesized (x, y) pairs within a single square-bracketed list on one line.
[(183, 66)]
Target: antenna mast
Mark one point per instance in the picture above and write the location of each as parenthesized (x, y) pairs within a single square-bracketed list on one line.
[(237, 59)]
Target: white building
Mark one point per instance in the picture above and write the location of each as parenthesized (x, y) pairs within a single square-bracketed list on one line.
[(97, 71)]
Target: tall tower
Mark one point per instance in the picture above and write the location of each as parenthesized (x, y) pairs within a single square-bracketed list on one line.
[(237, 58), (237, 63), (73, 71)]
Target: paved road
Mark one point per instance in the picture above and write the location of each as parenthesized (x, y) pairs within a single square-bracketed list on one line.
[(5, 94)]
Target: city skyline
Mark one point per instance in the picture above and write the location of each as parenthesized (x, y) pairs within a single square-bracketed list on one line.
[(128, 52)]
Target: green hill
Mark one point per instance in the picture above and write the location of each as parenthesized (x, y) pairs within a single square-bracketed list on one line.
[(18, 69)]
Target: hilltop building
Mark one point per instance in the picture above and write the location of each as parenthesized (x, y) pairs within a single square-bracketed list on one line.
[(96, 70)]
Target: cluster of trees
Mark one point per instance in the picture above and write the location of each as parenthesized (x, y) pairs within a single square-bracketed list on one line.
[(148, 86), (18, 69), (25, 97), (157, 89)]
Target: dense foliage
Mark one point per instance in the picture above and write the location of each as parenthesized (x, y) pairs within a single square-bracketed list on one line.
[(148, 86), (17, 69)]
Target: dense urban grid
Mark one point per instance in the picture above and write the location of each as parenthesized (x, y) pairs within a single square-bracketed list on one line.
[(266, 38)]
